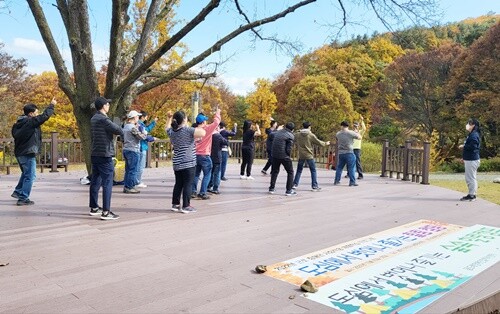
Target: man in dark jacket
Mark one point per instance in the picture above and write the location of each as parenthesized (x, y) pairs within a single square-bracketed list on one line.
[(103, 150), (28, 142), (218, 141), (281, 152)]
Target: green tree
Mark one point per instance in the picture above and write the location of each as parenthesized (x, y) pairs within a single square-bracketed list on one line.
[(321, 100)]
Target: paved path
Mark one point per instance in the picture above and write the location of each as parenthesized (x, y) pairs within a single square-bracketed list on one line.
[(154, 260)]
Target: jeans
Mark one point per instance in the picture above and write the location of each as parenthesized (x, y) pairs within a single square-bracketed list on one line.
[(223, 163), (247, 154), (131, 168), (359, 169), (203, 163), (275, 170), (312, 167), (28, 175), (350, 160), (142, 165), (183, 185), (470, 175), (102, 175), (215, 179)]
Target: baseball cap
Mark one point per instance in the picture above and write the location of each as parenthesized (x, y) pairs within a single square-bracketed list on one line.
[(100, 102), (200, 118), (133, 114)]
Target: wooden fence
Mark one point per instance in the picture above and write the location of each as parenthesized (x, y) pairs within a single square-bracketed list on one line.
[(406, 162)]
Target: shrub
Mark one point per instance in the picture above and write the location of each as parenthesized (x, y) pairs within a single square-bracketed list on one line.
[(456, 165), (490, 165), (371, 156)]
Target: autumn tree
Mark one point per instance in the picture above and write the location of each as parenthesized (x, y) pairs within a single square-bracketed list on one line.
[(321, 100), (262, 102), (475, 84), (133, 72)]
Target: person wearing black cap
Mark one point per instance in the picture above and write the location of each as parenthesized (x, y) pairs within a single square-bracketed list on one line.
[(27, 144), (345, 139), (282, 152), (102, 152)]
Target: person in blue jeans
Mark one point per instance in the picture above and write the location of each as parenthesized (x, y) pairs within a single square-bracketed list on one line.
[(102, 152), (345, 140), (27, 144), (225, 149), (306, 140), (143, 128), (216, 155), (131, 151)]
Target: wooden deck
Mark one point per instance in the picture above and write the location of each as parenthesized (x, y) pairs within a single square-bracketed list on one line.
[(153, 260)]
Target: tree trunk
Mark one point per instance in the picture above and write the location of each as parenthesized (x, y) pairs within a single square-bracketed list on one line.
[(83, 120)]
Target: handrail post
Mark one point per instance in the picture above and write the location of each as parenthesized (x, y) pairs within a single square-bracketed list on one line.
[(406, 161), (426, 163), (385, 149), (54, 155)]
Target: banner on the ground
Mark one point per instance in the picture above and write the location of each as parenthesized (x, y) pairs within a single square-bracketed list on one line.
[(411, 280), (338, 261)]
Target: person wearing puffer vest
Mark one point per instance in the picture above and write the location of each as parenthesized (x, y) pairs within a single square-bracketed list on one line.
[(306, 140)]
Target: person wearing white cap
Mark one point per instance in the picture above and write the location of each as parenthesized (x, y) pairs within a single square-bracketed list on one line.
[(131, 151)]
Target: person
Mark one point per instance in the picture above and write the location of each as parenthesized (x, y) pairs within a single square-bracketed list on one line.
[(356, 146), (250, 131), (131, 152), (182, 138), (203, 160), (143, 118), (269, 144), (101, 156), (218, 141), (282, 155), (345, 139), (27, 144), (470, 155), (305, 140), (225, 149)]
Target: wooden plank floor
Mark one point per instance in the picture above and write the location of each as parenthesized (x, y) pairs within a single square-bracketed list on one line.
[(153, 260)]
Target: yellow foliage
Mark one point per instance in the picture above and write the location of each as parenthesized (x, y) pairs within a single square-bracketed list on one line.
[(262, 102)]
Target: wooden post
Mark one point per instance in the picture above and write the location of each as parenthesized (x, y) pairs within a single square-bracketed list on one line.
[(426, 163), (54, 155), (406, 160), (148, 156), (385, 148)]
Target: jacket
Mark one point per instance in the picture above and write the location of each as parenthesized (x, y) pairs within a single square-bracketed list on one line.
[(149, 138), (102, 130), (471, 146), (27, 133), (282, 144), (357, 142), (218, 141), (305, 140)]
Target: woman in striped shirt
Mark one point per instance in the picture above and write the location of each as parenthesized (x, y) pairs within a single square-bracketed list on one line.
[(182, 138)]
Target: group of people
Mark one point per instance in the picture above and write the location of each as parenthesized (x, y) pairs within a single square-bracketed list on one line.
[(200, 148)]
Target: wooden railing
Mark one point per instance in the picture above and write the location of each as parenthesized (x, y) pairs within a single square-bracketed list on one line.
[(407, 163)]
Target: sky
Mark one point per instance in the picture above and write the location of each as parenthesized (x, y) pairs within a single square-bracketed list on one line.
[(244, 61)]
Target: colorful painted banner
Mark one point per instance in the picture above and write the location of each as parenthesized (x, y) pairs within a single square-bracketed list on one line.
[(338, 261), (411, 280)]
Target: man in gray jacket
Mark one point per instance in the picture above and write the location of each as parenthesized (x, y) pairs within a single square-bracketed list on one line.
[(103, 151), (281, 152)]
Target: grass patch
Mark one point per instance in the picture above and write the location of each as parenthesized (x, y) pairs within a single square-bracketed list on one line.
[(486, 188)]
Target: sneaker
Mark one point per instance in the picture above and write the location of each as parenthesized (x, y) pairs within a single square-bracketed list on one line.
[(130, 191), (194, 195), (291, 193), (109, 215), (15, 195), (176, 208), (271, 191), (141, 185), (223, 179), (316, 189), (213, 191), (24, 202), (294, 187), (188, 209), (250, 178), (360, 177), (353, 184), (336, 183), (469, 198), (95, 211), (263, 172), (203, 197), (243, 177)]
